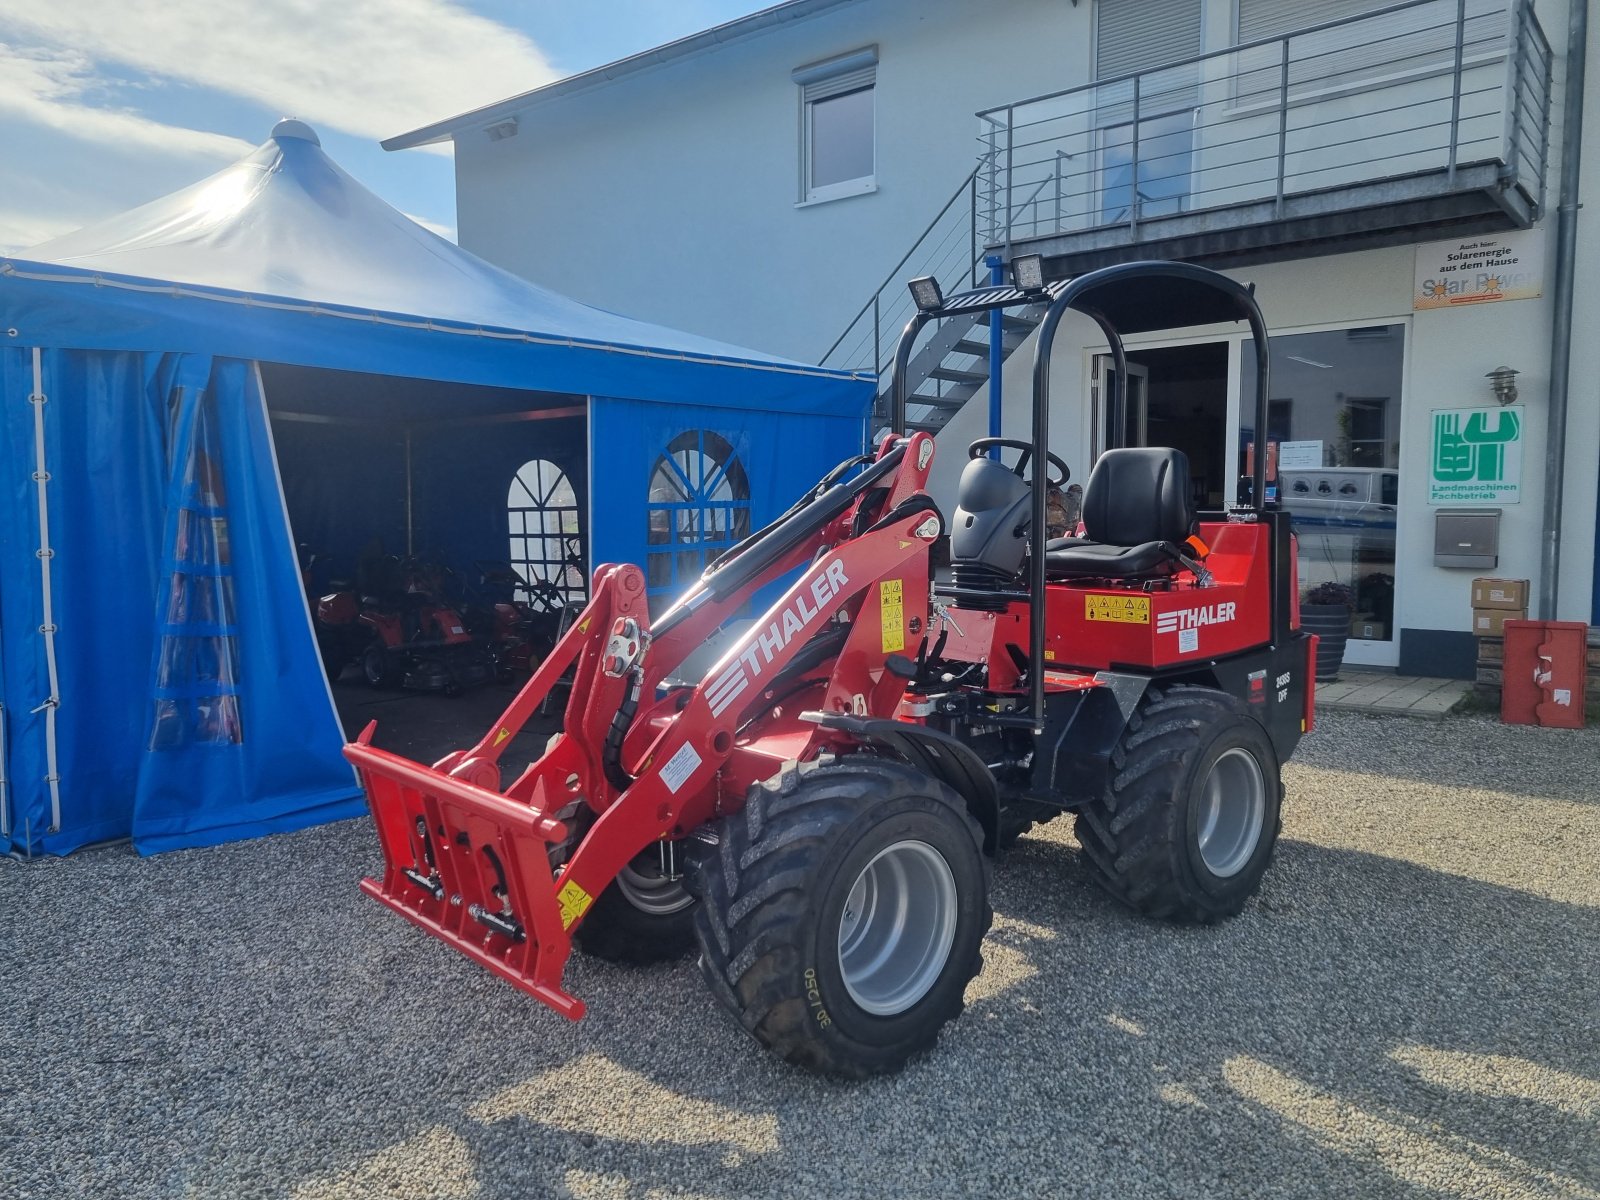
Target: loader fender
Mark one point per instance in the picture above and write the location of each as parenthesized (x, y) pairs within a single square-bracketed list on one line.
[(935, 753)]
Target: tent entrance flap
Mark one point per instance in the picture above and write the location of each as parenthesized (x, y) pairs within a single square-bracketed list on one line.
[(241, 738)]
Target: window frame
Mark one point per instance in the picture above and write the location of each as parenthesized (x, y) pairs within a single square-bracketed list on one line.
[(695, 509), (545, 509), (842, 75)]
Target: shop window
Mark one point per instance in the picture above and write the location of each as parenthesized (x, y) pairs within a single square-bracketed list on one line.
[(838, 119), (542, 518), (1341, 407), (699, 507)]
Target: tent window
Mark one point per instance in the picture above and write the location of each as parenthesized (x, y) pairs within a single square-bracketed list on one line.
[(699, 506), (542, 516), (197, 677)]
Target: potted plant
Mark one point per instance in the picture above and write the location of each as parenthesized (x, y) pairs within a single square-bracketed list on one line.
[(1325, 611)]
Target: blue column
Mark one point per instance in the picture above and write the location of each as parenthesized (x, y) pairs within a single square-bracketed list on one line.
[(997, 357)]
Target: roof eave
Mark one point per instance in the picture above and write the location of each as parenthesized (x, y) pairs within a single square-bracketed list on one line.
[(687, 47)]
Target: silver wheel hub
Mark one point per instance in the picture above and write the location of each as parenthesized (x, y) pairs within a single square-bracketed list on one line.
[(1233, 809), (897, 928), (644, 886)]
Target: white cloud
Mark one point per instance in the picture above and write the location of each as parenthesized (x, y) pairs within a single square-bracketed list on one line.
[(368, 67), (56, 89), (447, 232)]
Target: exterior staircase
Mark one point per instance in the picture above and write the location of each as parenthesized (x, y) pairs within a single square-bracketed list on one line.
[(951, 365)]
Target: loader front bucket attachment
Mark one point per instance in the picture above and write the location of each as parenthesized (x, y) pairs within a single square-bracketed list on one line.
[(471, 867)]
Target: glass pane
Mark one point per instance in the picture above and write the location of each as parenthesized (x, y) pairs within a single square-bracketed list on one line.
[(1336, 423), (1166, 145), (841, 138)]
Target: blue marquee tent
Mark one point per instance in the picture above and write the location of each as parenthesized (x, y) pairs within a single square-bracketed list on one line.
[(158, 671)]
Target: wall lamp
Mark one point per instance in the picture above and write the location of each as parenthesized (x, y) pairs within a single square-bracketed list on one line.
[(1504, 382), (925, 293)]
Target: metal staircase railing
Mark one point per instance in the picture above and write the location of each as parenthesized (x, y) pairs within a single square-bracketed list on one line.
[(954, 364)]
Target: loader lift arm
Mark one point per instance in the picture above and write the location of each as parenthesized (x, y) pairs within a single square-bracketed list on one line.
[(470, 862)]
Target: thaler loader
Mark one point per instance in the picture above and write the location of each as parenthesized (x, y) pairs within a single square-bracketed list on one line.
[(818, 812)]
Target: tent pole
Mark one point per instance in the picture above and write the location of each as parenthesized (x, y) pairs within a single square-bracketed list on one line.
[(410, 549), (41, 477)]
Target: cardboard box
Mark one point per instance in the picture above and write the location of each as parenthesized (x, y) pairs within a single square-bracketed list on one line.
[(1500, 593), (1490, 622), (1368, 629)]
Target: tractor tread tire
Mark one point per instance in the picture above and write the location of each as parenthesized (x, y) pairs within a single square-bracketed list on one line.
[(1136, 837), (765, 883), (613, 929)]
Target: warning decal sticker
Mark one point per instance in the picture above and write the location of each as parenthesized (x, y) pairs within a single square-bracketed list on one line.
[(1129, 609), (893, 617), (574, 903)]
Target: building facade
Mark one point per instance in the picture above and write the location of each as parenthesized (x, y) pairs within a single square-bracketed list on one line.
[(1387, 176)]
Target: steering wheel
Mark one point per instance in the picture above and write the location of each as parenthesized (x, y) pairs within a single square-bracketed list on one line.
[(980, 448)]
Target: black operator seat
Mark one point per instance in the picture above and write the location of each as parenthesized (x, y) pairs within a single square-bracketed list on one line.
[(1137, 511)]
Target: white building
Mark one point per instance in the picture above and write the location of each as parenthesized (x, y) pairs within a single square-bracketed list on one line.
[(774, 182)]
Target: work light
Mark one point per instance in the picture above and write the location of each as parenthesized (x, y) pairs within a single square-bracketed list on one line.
[(1027, 272), (926, 294)]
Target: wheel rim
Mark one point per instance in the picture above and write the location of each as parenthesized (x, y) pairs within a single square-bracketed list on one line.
[(373, 665), (1233, 810), (897, 928), (644, 886)]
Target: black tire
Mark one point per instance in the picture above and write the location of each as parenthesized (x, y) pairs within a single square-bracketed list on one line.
[(637, 919), (1143, 837), (379, 667), (773, 895)]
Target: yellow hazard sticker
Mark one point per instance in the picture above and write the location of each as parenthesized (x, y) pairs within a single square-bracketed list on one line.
[(501, 735), (583, 625), (1129, 609), (574, 903), (891, 601)]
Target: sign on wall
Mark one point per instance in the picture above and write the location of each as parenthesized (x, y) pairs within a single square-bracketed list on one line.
[(1480, 270), (1477, 456)]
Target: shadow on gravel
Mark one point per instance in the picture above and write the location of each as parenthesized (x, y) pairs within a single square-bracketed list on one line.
[(241, 1022)]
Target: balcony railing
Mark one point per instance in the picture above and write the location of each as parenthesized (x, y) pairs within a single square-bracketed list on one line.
[(1453, 92)]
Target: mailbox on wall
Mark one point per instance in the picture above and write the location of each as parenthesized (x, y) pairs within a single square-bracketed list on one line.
[(1466, 538)]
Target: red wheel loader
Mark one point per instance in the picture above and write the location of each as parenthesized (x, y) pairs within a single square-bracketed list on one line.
[(818, 813)]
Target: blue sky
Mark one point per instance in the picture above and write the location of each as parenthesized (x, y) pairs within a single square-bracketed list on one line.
[(106, 104)]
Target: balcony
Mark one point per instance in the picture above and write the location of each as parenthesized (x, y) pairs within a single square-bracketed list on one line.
[(1422, 120)]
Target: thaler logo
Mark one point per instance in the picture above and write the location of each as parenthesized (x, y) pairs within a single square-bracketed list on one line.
[(769, 642), (1194, 618)]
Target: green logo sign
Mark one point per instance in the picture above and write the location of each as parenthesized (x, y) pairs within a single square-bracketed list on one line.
[(1477, 456)]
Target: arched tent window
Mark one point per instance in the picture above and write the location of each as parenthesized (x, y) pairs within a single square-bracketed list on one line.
[(699, 506), (542, 513)]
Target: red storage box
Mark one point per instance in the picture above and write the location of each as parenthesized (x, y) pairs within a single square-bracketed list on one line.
[(1544, 673)]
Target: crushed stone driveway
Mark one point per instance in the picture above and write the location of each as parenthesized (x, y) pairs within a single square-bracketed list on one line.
[(1410, 1008)]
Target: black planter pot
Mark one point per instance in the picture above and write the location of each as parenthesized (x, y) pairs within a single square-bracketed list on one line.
[(1331, 624)]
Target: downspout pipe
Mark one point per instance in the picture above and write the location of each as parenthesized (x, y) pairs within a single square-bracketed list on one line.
[(1561, 334)]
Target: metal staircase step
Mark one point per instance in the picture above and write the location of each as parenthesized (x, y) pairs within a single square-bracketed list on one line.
[(948, 402), (968, 346), (1015, 324), (957, 375)]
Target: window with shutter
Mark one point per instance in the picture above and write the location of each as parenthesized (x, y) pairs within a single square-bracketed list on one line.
[(1415, 38), (1145, 169), (1135, 35), (838, 141)]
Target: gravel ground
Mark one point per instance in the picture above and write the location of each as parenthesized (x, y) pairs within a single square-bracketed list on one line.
[(1409, 1009)]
